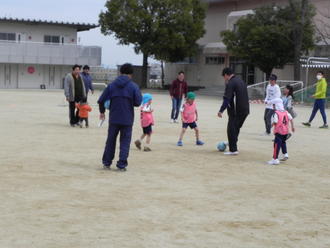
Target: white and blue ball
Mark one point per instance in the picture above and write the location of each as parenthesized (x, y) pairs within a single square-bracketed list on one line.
[(222, 146)]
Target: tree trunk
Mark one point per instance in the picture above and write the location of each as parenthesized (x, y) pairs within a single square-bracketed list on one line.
[(163, 76), (298, 36), (144, 75)]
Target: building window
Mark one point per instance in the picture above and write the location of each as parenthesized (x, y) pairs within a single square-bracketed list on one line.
[(214, 60), (188, 60), (8, 36), (51, 39)]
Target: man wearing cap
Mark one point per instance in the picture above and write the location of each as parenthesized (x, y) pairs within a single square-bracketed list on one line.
[(236, 101), (273, 91)]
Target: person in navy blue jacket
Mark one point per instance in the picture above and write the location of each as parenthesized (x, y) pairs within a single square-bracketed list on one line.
[(124, 95), (87, 80)]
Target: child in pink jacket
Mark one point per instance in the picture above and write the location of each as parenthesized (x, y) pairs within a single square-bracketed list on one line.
[(147, 121), (189, 117)]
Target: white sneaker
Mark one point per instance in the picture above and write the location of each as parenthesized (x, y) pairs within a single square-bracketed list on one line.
[(172, 121), (285, 157), (265, 134), (175, 121), (231, 153), (274, 162)]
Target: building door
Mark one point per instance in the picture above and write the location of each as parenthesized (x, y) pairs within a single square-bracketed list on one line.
[(21, 37), (8, 76), (243, 70), (49, 76)]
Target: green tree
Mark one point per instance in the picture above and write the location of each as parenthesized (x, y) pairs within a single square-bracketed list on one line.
[(164, 29), (267, 38), (300, 13)]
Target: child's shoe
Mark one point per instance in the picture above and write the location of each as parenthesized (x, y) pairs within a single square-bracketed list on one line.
[(179, 143), (285, 157), (138, 144), (307, 124), (199, 143), (274, 162), (146, 149)]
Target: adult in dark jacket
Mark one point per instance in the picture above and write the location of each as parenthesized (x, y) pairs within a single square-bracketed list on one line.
[(87, 80), (236, 101), (124, 95), (74, 91), (178, 88)]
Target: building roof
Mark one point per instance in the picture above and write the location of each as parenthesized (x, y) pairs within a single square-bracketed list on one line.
[(78, 26), (215, 48), (315, 62)]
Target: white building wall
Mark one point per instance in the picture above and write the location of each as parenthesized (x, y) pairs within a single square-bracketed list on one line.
[(215, 23), (36, 32)]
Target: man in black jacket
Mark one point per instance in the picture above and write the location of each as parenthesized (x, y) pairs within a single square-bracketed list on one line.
[(236, 101)]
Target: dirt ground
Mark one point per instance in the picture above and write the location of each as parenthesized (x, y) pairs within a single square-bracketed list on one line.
[(54, 193)]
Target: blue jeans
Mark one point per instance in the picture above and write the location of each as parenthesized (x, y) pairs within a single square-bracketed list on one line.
[(319, 104), (176, 104), (110, 147)]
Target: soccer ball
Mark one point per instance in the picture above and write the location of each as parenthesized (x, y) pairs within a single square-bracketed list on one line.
[(222, 146)]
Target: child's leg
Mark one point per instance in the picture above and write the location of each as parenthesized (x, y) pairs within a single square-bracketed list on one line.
[(283, 146), (182, 133), (196, 133), (86, 122), (277, 146), (142, 137), (148, 139), (80, 122)]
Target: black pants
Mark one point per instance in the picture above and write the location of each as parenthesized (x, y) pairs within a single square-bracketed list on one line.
[(267, 118), (235, 122), (81, 121), (279, 143), (74, 113), (110, 146)]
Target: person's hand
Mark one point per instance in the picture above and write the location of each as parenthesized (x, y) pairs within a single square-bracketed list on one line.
[(102, 116), (92, 91), (312, 96), (219, 114), (67, 99), (293, 129)]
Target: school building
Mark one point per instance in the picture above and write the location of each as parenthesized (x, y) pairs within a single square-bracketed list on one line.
[(39, 53), (206, 67)]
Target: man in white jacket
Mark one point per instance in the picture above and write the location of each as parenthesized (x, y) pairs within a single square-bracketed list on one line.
[(273, 91)]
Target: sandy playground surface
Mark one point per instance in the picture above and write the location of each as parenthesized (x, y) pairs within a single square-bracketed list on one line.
[(54, 193)]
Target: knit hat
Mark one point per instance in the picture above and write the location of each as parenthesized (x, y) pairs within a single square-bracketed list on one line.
[(191, 95), (146, 98)]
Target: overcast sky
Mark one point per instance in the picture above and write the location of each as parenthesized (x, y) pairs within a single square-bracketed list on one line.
[(74, 11)]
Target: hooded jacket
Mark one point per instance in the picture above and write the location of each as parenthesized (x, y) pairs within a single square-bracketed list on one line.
[(124, 95)]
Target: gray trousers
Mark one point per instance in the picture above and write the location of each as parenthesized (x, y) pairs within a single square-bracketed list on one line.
[(267, 118)]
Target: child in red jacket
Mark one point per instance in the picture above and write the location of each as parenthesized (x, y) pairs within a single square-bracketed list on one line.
[(83, 108)]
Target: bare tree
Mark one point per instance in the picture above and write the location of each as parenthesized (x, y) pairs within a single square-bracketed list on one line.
[(322, 25)]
